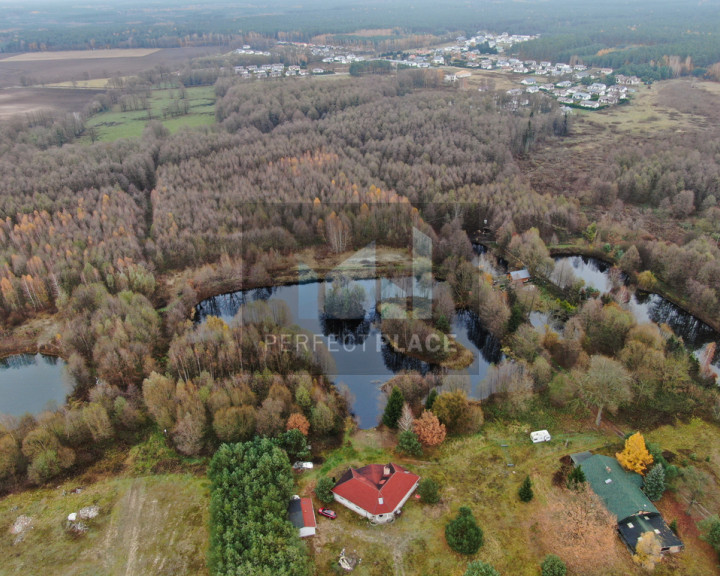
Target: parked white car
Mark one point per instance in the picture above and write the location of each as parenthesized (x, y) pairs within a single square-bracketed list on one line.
[(303, 465), (540, 436)]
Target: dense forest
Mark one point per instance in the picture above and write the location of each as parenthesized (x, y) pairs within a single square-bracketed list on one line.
[(123, 239), (91, 231)]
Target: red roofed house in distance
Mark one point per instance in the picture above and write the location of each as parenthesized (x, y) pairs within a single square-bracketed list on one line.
[(376, 491)]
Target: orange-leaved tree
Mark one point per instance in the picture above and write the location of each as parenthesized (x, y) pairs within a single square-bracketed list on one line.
[(299, 422), (429, 430), (635, 457)]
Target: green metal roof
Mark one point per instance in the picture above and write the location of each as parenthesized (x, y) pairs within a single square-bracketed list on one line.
[(621, 494)]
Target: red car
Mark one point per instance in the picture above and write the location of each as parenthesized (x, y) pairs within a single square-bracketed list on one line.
[(327, 513)]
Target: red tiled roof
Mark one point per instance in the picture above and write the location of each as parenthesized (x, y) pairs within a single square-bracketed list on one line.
[(307, 512), (375, 491)]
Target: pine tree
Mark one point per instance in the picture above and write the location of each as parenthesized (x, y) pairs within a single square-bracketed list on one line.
[(323, 490), (654, 485), (431, 399), (408, 443), (526, 492), (463, 534), (576, 478), (553, 566), (428, 491), (635, 457), (393, 409)]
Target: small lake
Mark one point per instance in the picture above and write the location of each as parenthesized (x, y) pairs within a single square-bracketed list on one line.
[(31, 383), (363, 361), (649, 307)]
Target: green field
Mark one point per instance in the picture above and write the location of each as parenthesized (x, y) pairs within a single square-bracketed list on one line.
[(115, 124)]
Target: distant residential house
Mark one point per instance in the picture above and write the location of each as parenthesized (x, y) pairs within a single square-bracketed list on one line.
[(592, 104), (528, 81), (376, 491), (564, 84), (608, 99), (318, 71), (532, 89), (581, 96), (302, 516), (629, 80), (622, 495)]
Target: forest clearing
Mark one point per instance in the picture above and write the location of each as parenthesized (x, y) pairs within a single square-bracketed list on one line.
[(195, 106), (473, 471), (152, 518)]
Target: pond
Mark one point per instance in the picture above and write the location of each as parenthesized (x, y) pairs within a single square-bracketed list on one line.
[(30, 383), (650, 307), (363, 361)]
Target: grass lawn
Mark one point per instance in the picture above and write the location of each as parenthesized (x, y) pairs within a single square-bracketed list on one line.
[(115, 124), (154, 505), (147, 525), (474, 471)]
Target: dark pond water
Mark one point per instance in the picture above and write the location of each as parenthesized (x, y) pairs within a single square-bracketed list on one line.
[(362, 359), (487, 262), (32, 383), (649, 307)]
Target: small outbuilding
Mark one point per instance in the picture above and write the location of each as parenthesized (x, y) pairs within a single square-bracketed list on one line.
[(519, 276), (302, 516), (631, 530)]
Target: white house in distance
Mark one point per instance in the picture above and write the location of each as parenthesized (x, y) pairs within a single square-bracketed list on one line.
[(376, 491), (302, 516)]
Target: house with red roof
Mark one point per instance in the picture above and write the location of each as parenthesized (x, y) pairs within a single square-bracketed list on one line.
[(302, 516), (376, 491)]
